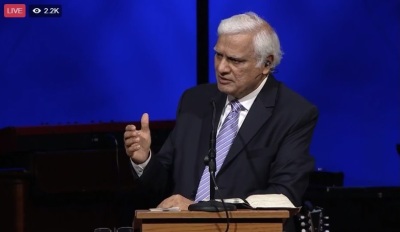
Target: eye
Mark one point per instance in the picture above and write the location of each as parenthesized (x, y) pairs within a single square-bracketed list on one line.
[(218, 55), (235, 61)]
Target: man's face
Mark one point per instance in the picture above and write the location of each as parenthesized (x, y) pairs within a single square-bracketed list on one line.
[(235, 65)]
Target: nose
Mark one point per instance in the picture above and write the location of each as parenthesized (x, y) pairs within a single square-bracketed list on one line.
[(222, 65)]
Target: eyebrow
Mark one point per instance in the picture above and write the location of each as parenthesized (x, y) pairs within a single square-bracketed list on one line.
[(230, 57)]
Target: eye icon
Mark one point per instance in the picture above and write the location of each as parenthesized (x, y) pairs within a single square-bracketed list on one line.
[(36, 11)]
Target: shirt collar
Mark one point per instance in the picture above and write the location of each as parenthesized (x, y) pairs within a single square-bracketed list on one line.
[(247, 101)]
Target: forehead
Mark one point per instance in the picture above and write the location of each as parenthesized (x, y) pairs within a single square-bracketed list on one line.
[(235, 44)]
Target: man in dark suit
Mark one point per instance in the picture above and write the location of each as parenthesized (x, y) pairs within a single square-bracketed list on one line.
[(270, 152)]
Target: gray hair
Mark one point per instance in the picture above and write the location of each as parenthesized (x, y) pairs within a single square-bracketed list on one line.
[(265, 41)]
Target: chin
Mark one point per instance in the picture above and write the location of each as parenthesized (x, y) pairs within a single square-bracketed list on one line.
[(225, 89)]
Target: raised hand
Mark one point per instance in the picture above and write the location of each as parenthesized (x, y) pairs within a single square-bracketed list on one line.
[(137, 142)]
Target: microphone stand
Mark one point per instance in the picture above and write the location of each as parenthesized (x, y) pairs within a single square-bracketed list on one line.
[(212, 205)]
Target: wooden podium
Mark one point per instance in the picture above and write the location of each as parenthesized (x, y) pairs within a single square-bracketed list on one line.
[(191, 221)]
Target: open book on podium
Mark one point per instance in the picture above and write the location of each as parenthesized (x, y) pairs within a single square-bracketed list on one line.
[(264, 201)]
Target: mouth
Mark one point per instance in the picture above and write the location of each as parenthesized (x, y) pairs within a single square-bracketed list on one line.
[(224, 80)]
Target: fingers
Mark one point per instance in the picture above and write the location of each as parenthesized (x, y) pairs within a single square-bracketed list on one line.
[(167, 203), (131, 139), (130, 132), (175, 201), (145, 123)]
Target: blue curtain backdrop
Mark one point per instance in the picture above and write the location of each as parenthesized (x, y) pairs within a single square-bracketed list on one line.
[(113, 60), (102, 61)]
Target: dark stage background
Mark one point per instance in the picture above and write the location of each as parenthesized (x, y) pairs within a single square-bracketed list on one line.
[(110, 60)]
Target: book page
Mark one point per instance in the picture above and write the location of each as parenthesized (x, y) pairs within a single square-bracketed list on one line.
[(269, 201)]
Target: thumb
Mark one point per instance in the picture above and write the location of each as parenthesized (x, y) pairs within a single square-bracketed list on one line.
[(145, 123)]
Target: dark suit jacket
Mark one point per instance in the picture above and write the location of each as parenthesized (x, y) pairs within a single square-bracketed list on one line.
[(270, 153)]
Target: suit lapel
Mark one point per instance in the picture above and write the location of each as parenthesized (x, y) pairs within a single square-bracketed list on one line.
[(258, 115)]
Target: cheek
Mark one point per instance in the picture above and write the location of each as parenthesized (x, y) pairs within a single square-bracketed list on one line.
[(239, 74), (241, 78), (245, 83)]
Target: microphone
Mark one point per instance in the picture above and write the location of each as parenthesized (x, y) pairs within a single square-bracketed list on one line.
[(213, 137), (212, 153), (212, 205), (209, 159)]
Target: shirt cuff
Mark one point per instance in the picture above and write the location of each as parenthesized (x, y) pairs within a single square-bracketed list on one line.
[(140, 167)]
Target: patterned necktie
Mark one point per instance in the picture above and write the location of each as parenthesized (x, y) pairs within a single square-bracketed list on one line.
[(225, 138)]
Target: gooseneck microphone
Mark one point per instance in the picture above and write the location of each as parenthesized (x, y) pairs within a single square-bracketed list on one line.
[(212, 153), (212, 205)]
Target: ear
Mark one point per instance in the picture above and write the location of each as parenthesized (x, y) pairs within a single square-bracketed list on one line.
[(267, 65)]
